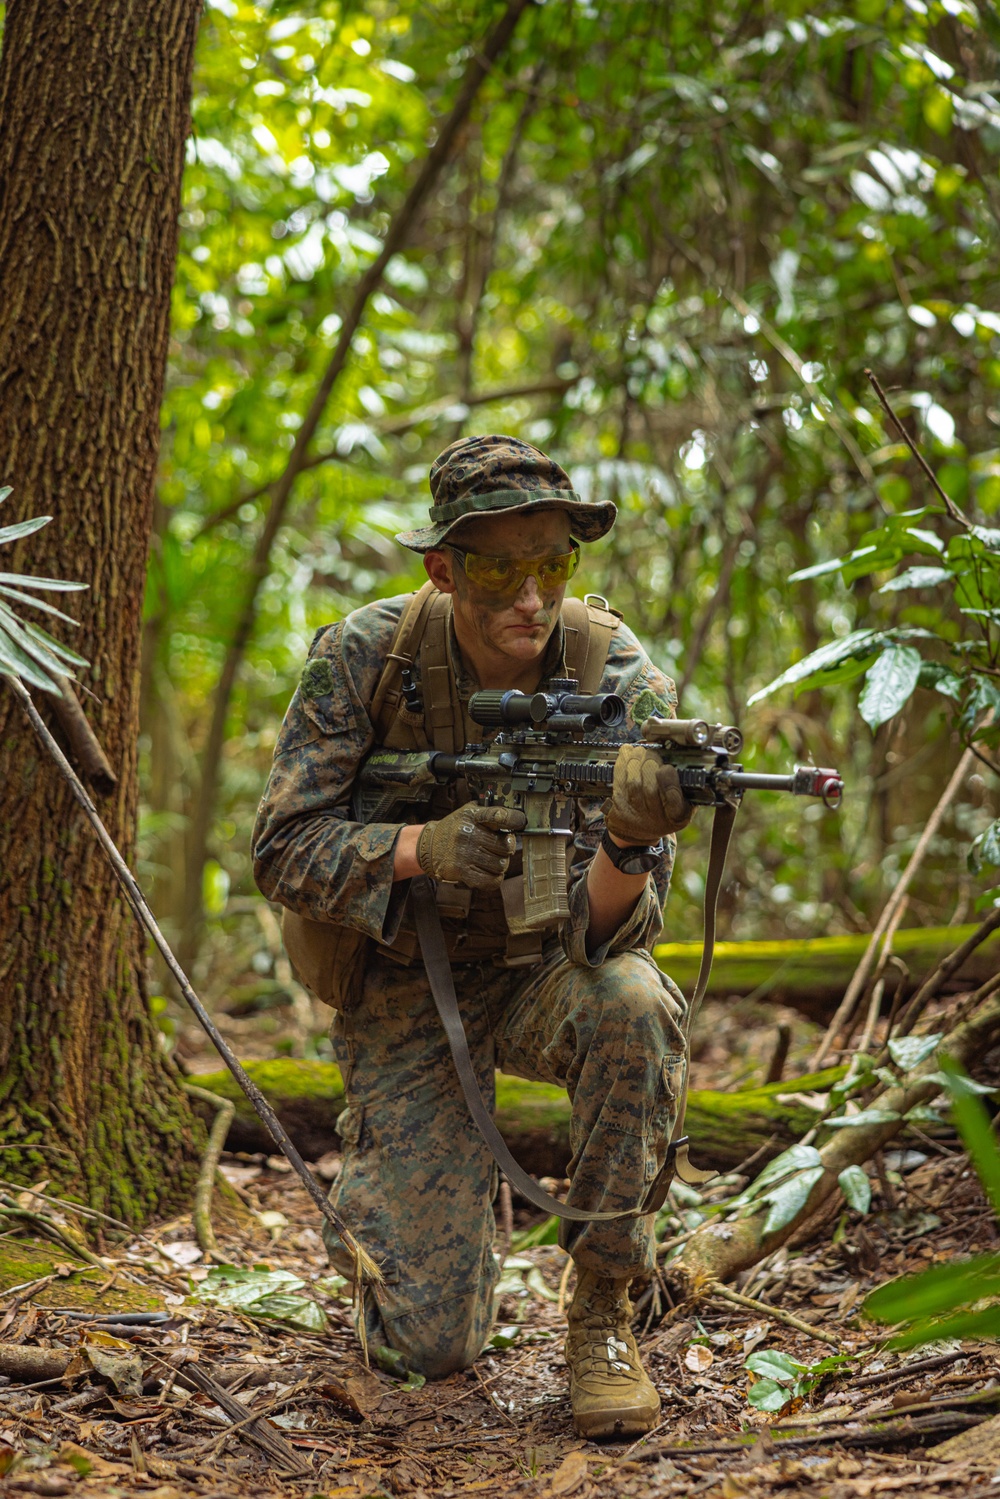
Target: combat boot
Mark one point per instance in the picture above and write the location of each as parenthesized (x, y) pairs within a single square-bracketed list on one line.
[(610, 1392)]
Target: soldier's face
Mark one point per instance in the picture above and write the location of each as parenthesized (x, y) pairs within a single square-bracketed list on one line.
[(516, 625)]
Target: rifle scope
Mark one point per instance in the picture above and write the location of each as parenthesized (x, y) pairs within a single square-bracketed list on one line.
[(556, 710)]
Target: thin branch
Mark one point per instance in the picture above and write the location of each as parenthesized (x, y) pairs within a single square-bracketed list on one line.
[(202, 1216), (431, 413), (856, 987), (949, 965), (949, 503), (763, 1309)]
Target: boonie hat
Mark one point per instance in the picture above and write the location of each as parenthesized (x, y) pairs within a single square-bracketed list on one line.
[(481, 475)]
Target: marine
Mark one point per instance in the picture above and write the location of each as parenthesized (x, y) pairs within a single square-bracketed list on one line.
[(581, 1005)]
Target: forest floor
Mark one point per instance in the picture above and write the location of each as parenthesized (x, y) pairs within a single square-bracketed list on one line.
[(217, 1399)]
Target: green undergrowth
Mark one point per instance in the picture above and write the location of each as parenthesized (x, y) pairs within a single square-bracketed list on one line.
[(24, 1259)]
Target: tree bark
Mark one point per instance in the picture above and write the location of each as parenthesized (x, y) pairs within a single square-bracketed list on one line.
[(93, 120)]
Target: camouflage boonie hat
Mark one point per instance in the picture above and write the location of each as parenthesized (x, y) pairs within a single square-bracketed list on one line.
[(479, 475)]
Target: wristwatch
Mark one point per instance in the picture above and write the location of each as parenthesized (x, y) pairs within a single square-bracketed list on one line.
[(634, 858)]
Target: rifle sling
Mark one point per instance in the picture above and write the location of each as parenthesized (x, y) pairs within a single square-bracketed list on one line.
[(434, 952)]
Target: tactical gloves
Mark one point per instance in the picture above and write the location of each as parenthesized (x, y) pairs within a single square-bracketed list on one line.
[(471, 846), (646, 802)]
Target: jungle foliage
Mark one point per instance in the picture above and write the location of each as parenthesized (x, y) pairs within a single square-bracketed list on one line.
[(669, 242)]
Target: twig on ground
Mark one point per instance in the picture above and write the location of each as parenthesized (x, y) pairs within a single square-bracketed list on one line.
[(751, 1304), (225, 1109), (905, 1371), (492, 1399), (252, 1425)]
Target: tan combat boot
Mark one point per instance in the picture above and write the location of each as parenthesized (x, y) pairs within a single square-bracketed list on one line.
[(611, 1393)]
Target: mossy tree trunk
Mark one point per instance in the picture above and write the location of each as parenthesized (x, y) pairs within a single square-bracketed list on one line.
[(94, 113)]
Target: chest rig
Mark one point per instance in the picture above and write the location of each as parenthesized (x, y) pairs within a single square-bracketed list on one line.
[(418, 706)]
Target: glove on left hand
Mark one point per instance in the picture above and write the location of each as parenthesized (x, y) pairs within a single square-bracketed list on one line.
[(647, 802)]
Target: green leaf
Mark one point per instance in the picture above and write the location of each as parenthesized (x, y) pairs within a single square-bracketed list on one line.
[(890, 684), (856, 1187), (932, 1292), (858, 1121), (986, 848), (53, 585), (296, 1310), (5, 490), (983, 1324), (47, 608), (546, 1232), (795, 1158), (973, 1125), (909, 1051), (765, 1395), (15, 662), (770, 1364), (940, 678), (916, 577), (23, 528), (789, 1199), (858, 643), (945, 1080)]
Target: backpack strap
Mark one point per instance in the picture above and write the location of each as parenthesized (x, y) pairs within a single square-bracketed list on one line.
[(388, 706), (589, 629), (444, 721)]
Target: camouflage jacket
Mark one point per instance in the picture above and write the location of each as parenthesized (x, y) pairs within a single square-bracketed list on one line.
[(312, 858)]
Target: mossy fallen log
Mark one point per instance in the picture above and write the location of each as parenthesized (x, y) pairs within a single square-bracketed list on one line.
[(725, 1127), (811, 975)]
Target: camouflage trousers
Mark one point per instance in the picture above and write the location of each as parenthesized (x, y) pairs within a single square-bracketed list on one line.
[(418, 1181)]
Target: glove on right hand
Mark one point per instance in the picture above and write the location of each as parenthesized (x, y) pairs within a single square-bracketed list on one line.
[(471, 846), (646, 800)]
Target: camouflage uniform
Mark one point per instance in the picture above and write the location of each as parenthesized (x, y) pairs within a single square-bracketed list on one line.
[(418, 1180)]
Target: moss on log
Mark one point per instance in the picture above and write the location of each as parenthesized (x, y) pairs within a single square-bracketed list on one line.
[(812, 975), (724, 1128)]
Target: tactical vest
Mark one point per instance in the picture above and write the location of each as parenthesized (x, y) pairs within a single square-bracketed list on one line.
[(425, 714)]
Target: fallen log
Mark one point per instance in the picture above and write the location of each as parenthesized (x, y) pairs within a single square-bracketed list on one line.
[(812, 975), (721, 1250), (725, 1128)]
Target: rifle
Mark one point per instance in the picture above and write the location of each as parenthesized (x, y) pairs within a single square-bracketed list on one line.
[(548, 753)]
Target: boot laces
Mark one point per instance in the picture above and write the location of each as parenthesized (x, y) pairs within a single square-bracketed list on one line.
[(601, 1327)]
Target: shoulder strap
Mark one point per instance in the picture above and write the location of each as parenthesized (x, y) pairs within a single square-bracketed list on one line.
[(402, 649), (443, 720), (589, 629)]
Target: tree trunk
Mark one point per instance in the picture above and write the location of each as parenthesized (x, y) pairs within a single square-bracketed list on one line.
[(93, 120)]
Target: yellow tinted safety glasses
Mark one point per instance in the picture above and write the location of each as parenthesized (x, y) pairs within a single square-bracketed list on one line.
[(506, 574)]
